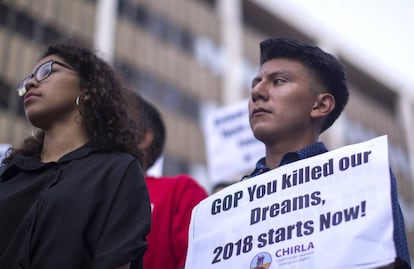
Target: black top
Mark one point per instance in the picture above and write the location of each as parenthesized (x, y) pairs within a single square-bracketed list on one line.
[(89, 210)]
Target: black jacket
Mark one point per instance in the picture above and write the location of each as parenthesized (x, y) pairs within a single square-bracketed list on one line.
[(89, 209)]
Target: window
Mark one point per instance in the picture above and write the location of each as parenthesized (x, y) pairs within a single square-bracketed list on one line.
[(4, 10), (50, 34), (167, 94), (25, 25), (158, 25), (4, 93)]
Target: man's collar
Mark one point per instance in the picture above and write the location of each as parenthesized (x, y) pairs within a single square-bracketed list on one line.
[(289, 157)]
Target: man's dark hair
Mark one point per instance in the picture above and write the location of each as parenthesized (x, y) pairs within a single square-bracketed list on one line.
[(152, 121), (156, 124), (325, 66)]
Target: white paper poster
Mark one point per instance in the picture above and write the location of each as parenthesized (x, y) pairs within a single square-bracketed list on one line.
[(329, 211), (230, 144), (3, 150)]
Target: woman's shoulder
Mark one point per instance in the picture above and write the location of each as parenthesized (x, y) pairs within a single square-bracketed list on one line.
[(115, 158)]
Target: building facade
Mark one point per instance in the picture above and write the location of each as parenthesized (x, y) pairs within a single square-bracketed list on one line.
[(186, 55)]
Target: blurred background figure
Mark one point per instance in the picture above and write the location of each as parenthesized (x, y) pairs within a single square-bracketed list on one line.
[(220, 185), (3, 149), (172, 197)]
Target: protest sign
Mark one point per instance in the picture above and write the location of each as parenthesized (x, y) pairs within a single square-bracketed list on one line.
[(329, 211), (230, 145), (3, 150)]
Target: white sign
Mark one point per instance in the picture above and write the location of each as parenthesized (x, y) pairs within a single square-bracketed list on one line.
[(3, 149), (230, 144), (329, 211), (156, 170)]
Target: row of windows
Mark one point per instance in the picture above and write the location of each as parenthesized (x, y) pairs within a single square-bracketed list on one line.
[(212, 56), (158, 25), (27, 26), (150, 86), (166, 93), (156, 89), (205, 51), (399, 160)]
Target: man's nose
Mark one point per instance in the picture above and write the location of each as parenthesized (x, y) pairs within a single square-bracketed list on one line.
[(260, 91)]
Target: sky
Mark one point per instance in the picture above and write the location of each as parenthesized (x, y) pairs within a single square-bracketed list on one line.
[(381, 30)]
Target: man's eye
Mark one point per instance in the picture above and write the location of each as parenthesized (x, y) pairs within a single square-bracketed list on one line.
[(278, 81)]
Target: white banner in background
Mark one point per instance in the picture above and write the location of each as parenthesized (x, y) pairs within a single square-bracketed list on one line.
[(3, 149), (230, 145), (329, 211)]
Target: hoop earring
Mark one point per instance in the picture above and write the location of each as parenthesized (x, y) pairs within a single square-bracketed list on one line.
[(77, 101), (36, 133)]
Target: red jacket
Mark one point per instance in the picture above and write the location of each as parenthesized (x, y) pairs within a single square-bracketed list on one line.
[(172, 200)]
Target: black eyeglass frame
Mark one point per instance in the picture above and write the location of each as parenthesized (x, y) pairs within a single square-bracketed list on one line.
[(21, 89)]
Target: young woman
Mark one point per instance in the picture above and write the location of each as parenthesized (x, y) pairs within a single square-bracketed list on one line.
[(74, 195)]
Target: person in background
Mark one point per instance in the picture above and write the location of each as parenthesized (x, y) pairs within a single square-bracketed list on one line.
[(220, 185), (74, 196), (172, 197), (297, 94), (3, 150)]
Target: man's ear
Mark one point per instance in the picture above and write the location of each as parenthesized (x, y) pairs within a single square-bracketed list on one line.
[(324, 104), (147, 140)]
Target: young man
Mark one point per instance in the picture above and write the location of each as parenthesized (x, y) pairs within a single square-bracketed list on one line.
[(297, 94), (172, 197)]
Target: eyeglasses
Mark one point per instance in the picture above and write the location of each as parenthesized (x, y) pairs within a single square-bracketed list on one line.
[(41, 73)]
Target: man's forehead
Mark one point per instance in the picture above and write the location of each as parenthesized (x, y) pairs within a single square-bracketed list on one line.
[(280, 65)]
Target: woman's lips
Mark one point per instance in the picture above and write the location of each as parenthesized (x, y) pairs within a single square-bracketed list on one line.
[(30, 95)]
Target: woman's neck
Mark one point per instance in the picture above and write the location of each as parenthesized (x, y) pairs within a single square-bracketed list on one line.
[(58, 142)]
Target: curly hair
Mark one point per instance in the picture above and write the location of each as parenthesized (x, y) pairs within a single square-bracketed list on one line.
[(104, 107)]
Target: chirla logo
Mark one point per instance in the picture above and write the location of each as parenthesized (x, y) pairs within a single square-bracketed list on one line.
[(263, 260)]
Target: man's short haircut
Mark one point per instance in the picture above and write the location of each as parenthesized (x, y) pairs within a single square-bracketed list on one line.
[(326, 67), (153, 121), (149, 119)]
